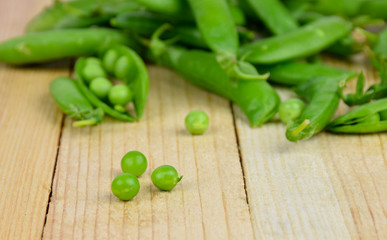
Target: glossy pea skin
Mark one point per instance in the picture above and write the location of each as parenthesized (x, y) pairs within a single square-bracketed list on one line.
[(215, 22), (165, 177), (93, 69), (197, 122), (134, 162), (290, 109), (100, 87), (302, 42), (109, 60), (120, 95), (274, 14), (59, 44), (125, 186), (125, 68)]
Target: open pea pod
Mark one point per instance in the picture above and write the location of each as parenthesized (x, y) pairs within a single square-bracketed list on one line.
[(73, 103), (94, 100), (367, 118), (125, 64)]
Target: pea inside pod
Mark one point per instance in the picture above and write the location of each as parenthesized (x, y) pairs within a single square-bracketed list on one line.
[(82, 85), (131, 69)]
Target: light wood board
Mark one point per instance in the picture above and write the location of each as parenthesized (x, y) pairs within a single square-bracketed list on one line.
[(239, 182)]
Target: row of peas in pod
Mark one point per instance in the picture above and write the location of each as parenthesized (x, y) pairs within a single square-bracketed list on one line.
[(93, 87), (126, 186)]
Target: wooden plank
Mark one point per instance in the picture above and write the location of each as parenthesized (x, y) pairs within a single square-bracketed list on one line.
[(328, 187), (30, 125), (210, 201)]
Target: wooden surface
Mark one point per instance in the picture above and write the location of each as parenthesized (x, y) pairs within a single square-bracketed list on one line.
[(239, 182)]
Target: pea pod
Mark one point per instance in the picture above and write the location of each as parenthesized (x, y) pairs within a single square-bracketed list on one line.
[(305, 41), (257, 99), (323, 100), (274, 14), (362, 119), (94, 100), (59, 44), (79, 14), (169, 7), (295, 73), (214, 21), (380, 47), (73, 103), (134, 73)]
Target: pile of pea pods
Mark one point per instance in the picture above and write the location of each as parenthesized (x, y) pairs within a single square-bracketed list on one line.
[(237, 49)]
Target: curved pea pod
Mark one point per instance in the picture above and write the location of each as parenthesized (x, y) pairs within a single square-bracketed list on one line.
[(363, 119), (305, 41), (169, 7), (73, 103), (274, 14), (94, 100), (130, 68), (215, 22), (295, 73), (323, 100), (257, 99), (58, 44), (79, 14)]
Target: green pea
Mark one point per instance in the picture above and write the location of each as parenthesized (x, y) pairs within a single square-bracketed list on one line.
[(290, 109), (197, 122), (125, 186), (93, 61), (124, 68), (134, 162), (100, 87), (165, 177), (120, 95), (109, 60), (92, 71)]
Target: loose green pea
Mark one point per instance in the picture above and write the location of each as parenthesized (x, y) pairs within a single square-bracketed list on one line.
[(93, 61), (290, 109), (100, 87), (92, 71), (165, 177), (109, 60), (124, 68), (134, 162), (197, 122), (120, 95), (125, 186)]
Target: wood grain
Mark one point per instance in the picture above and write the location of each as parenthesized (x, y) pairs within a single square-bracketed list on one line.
[(208, 203), (328, 187), (30, 125)]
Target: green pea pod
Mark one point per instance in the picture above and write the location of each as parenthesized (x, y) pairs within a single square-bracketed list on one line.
[(73, 103), (374, 8), (295, 73), (257, 99), (146, 23), (215, 22), (59, 44), (79, 14), (322, 95), (361, 119), (339, 7), (274, 14), (136, 76), (305, 41), (169, 7), (94, 100)]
